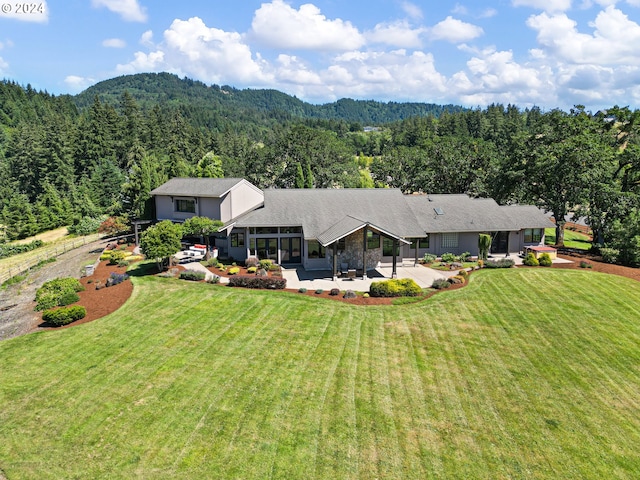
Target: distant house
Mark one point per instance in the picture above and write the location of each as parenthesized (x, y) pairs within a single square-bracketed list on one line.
[(361, 228)]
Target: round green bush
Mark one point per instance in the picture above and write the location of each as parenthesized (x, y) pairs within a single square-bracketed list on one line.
[(530, 260), (64, 315), (68, 298), (545, 260)]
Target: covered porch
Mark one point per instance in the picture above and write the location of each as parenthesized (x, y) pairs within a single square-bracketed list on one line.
[(356, 247)]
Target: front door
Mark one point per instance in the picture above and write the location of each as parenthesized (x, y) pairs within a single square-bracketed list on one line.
[(267, 248), (290, 250)]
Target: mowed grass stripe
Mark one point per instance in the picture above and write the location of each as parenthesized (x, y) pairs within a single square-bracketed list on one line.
[(212, 382)]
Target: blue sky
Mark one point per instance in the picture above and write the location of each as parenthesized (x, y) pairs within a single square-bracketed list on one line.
[(549, 53)]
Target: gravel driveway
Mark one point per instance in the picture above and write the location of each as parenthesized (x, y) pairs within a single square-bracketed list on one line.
[(17, 301)]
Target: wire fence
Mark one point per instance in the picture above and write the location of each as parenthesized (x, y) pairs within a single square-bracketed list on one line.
[(39, 255)]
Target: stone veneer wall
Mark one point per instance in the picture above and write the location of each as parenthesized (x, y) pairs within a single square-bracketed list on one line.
[(352, 255)]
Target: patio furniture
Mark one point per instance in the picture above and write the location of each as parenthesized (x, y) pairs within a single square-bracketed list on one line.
[(344, 269), (351, 274)]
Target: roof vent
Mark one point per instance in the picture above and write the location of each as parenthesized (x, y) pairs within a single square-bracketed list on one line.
[(439, 211)]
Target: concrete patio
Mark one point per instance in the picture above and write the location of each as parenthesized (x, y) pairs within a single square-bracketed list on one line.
[(315, 279)]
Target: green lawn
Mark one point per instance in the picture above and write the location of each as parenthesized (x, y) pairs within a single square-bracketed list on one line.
[(525, 373), (572, 239)]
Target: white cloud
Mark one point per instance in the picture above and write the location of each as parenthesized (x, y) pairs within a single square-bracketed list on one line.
[(614, 40), (494, 76), (77, 84), (114, 43), (37, 12), (208, 54), (412, 10), (146, 38), (129, 10), (4, 66), (488, 13), (546, 5), (398, 34), (454, 31), (460, 10), (278, 25)]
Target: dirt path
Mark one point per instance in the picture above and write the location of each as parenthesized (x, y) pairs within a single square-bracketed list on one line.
[(17, 301)]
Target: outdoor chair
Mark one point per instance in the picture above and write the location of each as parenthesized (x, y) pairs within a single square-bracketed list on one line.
[(344, 269)]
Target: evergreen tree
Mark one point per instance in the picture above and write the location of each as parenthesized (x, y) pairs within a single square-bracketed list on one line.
[(18, 218), (299, 182)]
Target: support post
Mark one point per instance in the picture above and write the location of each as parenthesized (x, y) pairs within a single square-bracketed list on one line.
[(335, 261), (508, 235), (364, 254), (394, 273), (415, 263)]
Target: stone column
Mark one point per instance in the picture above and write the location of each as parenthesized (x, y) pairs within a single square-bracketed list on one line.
[(394, 273), (364, 254), (335, 261)]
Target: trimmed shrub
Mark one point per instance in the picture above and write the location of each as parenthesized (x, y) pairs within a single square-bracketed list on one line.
[(212, 262), (68, 298), (123, 263), (302, 290), (480, 263), (456, 280), (64, 315), (116, 278), (247, 281), (585, 264), (396, 287), (545, 260), (213, 280), (464, 257), (51, 292), (275, 268), (530, 260), (234, 270), (365, 295), (448, 257), (116, 256), (464, 274), (440, 284), (610, 255), (319, 291), (252, 269), (334, 292), (502, 263), (349, 294), (192, 276), (266, 264), (251, 262), (428, 258)]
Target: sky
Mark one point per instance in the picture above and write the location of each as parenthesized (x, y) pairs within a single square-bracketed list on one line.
[(545, 53)]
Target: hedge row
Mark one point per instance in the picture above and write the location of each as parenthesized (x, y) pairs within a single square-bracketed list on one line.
[(64, 315), (397, 287), (247, 281), (15, 249)]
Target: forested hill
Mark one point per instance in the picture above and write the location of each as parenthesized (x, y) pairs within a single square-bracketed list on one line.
[(207, 103)]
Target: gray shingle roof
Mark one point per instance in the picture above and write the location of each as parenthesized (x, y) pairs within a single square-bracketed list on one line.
[(197, 187), (461, 213), (323, 212)]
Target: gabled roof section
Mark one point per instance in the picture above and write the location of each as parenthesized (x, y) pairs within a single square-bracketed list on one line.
[(347, 226), (527, 216), (199, 187), (319, 210)]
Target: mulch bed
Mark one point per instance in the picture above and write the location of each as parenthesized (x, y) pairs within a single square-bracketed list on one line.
[(100, 303)]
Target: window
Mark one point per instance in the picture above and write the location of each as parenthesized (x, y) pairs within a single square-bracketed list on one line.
[(252, 245), (450, 240), (532, 235), (387, 247), (186, 206), (237, 239), (290, 229), (373, 240), (422, 243), (266, 230), (316, 250)]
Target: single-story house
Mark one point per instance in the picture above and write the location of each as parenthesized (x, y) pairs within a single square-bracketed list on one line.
[(346, 228)]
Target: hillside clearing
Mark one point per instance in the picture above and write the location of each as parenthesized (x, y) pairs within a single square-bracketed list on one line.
[(523, 374)]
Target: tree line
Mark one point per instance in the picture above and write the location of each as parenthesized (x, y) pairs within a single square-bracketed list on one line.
[(60, 163)]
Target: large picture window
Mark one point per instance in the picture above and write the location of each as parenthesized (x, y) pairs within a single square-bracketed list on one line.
[(237, 239), (373, 240), (185, 205), (387, 247), (422, 243), (532, 235), (450, 240), (316, 250)]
